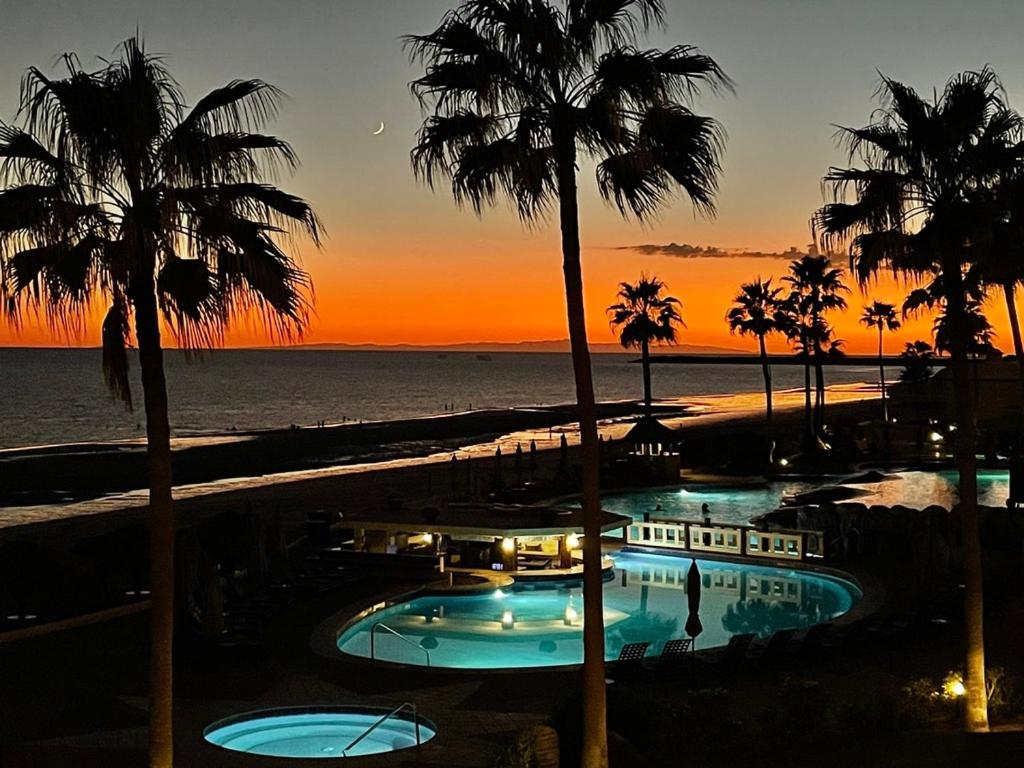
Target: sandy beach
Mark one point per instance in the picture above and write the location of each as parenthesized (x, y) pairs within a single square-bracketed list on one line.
[(416, 463)]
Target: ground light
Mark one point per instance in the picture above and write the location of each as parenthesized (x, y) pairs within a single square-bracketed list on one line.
[(953, 686)]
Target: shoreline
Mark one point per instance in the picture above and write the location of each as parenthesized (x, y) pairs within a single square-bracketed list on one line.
[(415, 474)]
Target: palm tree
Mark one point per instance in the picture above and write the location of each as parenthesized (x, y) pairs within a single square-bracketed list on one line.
[(816, 288), (1000, 253), (882, 316), (519, 91), (115, 192), (757, 311), (913, 201), (645, 316), (980, 333), (795, 328), (916, 357)]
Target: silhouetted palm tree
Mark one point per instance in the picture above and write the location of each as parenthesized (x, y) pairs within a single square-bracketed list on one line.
[(645, 316), (117, 192), (979, 331), (916, 358), (1000, 254), (816, 288), (519, 92), (881, 316), (915, 204), (758, 311)]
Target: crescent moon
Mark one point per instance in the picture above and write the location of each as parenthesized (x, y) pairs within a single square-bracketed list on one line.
[(380, 130)]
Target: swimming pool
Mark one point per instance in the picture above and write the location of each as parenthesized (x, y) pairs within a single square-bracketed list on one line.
[(321, 732), (539, 626), (728, 504)]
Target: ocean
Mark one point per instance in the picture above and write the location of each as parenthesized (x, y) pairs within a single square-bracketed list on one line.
[(50, 396)]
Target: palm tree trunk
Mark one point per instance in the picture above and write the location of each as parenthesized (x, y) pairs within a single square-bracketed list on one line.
[(161, 526), (976, 704), (808, 414), (645, 354), (595, 726), (1009, 291), (819, 395), (766, 371), (885, 402)]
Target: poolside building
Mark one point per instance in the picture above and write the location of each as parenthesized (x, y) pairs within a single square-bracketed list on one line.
[(510, 538)]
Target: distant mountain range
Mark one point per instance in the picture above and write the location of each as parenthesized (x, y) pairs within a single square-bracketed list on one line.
[(554, 345)]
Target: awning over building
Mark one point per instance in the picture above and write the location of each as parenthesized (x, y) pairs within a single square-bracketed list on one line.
[(485, 520)]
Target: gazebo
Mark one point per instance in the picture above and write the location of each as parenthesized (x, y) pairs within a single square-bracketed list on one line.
[(649, 437), (653, 449)]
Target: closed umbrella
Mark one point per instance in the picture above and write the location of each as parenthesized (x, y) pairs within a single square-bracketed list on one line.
[(693, 625), (533, 455)]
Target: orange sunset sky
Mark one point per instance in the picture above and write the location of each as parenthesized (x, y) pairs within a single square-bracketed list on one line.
[(402, 264)]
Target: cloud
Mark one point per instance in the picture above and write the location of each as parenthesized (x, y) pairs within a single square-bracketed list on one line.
[(687, 251)]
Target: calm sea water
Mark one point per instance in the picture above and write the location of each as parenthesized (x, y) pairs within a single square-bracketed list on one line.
[(58, 395)]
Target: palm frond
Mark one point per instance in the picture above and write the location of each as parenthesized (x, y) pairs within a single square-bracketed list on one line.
[(115, 337), (241, 106)]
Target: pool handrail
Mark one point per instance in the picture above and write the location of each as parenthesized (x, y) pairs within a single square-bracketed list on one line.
[(399, 635), (404, 705)]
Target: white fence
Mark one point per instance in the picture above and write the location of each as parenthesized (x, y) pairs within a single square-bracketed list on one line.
[(726, 539)]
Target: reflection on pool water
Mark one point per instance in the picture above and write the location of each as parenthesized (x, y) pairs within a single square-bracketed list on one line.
[(320, 733), (736, 504), (739, 504), (646, 601), (921, 489)]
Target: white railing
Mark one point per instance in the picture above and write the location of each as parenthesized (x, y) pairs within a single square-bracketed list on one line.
[(382, 626), (661, 534), (407, 705), (726, 539)]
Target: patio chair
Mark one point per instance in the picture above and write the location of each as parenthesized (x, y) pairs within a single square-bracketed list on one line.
[(631, 658), (675, 653)]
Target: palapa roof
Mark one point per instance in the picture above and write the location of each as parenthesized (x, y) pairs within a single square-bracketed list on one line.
[(650, 431)]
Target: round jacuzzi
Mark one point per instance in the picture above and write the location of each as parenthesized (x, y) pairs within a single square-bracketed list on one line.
[(321, 732)]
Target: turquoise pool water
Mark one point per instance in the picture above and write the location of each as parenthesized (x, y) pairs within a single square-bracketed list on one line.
[(315, 734), (646, 600), (730, 504)]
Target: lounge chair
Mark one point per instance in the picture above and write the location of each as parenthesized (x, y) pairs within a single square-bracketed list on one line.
[(675, 653), (631, 657)]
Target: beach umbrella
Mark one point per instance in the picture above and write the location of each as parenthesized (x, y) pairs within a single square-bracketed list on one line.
[(533, 455), (693, 625), (452, 473), (519, 462), (563, 455)]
